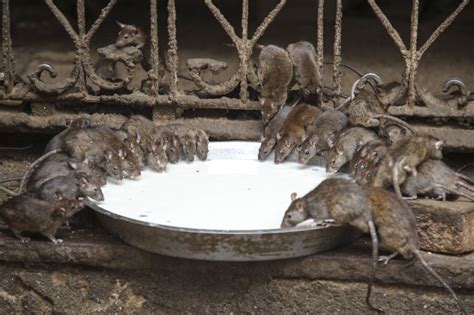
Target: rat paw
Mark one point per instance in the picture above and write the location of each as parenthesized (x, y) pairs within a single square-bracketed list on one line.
[(25, 239), (56, 240)]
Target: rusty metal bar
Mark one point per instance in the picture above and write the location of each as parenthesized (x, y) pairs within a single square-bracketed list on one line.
[(266, 22), (63, 20), (442, 27), (103, 14), (388, 26), (244, 53), (413, 65), (8, 61), (223, 21), (154, 73), (320, 47), (173, 48), (81, 17), (337, 74)]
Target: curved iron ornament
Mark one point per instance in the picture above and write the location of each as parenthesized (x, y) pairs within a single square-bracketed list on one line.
[(244, 47), (56, 88), (83, 63), (413, 55)]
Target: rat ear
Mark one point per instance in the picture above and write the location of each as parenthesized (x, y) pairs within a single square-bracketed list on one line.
[(121, 25), (261, 100), (72, 164), (108, 155), (84, 180), (278, 135), (300, 205), (439, 144), (293, 196), (330, 142), (339, 151)]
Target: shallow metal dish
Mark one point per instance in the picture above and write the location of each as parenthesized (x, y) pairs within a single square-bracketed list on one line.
[(225, 245)]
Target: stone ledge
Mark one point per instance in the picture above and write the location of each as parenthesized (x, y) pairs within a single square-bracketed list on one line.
[(445, 227), (97, 249)]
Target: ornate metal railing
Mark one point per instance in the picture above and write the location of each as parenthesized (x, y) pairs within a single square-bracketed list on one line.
[(413, 98)]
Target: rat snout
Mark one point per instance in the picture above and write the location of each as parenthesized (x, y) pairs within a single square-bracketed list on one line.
[(99, 196), (285, 223), (330, 170)]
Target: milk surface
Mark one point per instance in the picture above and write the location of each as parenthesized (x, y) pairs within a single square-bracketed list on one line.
[(230, 191)]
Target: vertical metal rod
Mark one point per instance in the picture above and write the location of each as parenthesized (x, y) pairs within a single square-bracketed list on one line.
[(81, 17), (337, 74), (320, 46), (413, 64), (154, 48), (244, 52), (173, 48), (81, 24), (8, 60)]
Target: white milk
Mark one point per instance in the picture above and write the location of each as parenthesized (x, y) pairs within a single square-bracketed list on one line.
[(232, 190)]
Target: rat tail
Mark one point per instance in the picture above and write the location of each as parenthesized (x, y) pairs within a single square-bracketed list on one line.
[(455, 192), (15, 148), (375, 252), (10, 180), (395, 181), (400, 122), (464, 167), (6, 190), (33, 166), (441, 280)]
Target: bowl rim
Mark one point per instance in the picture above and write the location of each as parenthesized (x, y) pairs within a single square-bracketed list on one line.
[(289, 230), (220, 145)]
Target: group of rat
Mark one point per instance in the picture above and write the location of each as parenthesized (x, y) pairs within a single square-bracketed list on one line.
[(77, 161), (381, 152)]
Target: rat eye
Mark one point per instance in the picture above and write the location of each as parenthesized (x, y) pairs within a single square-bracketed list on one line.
[(288, 216), (306, 152), (126, 36)]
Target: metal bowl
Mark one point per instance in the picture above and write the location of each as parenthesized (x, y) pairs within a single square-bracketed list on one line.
[(226, 245), (262, 241)]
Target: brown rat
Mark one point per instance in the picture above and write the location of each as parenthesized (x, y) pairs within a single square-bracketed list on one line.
[(88, 146), (392, 133), (396, 226), (271, 131), (191, 140), (170, 142), (130, 161), (322, 134), (151, 145), (62, 165), (339, 199), (27, 214), (404, 156), (72, 186), (305, 67), (294, 131), (275, 72), (366, 110), (202, 144), (346, 145), (435, 179), (366, 161)]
